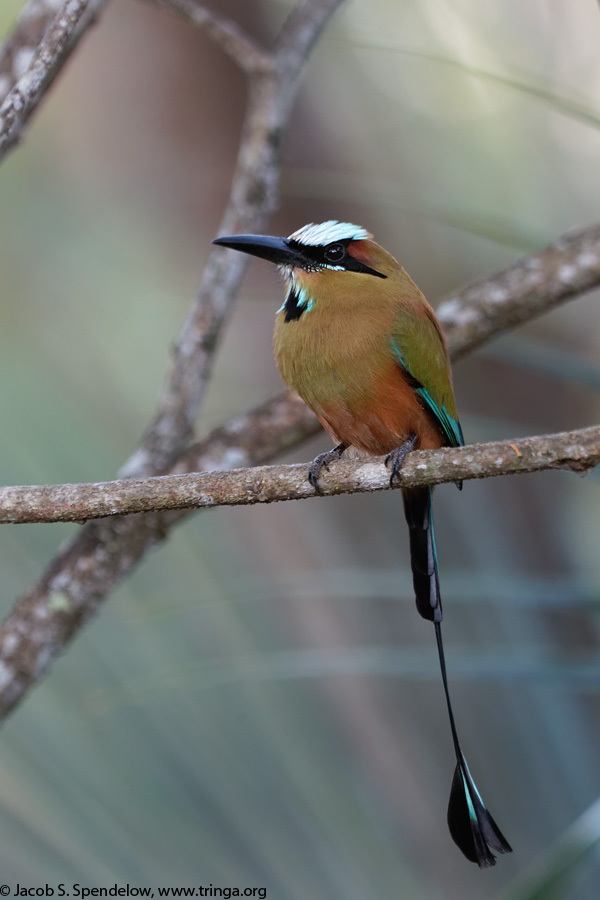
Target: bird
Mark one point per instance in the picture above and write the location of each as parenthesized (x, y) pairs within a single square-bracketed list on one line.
[(356, 339)]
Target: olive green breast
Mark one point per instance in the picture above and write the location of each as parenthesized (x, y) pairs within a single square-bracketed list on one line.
[(340, 335), (330, 357)]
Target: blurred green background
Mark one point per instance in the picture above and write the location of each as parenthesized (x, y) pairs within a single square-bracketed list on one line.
[(259, 704)]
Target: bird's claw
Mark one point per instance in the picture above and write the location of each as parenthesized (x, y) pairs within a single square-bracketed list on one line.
[(396, 457), (322, 462)]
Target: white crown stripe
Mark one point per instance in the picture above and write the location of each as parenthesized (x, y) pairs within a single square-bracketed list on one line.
[(327, 232)]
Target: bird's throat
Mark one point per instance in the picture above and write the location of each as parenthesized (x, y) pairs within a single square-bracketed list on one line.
[(297, 303)]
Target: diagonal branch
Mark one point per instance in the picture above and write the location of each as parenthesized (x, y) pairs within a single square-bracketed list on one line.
[(566, 269), (239, 46), (44, 620), (84, 573), (272, 87), (578, 451), (32, 57)]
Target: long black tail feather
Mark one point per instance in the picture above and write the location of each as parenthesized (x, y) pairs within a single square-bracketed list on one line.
[(423, 559), (471, 825)]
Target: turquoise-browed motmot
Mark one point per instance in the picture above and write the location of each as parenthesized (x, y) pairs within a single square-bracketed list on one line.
[(358, 341)]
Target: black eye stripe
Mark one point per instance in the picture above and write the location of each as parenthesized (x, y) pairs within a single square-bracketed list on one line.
[(319, 255), (314, 258)]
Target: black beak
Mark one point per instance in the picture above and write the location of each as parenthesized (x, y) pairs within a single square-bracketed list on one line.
[(275, 249)]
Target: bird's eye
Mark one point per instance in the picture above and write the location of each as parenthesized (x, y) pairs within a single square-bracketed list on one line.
[(334, 253)]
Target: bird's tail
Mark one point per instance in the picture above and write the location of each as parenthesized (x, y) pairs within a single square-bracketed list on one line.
[(471, 825), (423, 557)]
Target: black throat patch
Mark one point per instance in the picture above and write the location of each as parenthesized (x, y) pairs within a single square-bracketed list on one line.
[(294, 306)]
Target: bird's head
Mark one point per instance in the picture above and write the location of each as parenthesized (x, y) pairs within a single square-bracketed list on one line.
[(328, 247), (331, 267)]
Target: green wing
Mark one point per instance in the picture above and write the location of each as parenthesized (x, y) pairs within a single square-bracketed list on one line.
[(418, 345)]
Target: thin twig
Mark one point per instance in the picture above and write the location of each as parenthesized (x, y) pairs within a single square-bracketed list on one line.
[(575, 450), (32, 57), (238, 45)]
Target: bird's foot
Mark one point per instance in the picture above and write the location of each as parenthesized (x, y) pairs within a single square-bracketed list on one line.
[(322, 462), (395, 459)]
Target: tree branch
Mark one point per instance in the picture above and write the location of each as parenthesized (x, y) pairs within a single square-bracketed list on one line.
[(239, 46), (105, 551), (575, 450), (272, 88), (32, 57), (44, 620), (566, 269)]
